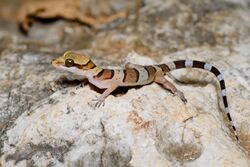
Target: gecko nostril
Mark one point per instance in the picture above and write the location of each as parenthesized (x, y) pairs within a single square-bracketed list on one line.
[(52, 61)]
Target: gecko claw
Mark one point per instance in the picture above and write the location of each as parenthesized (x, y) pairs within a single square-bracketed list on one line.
[(181, 96), (99, 102)]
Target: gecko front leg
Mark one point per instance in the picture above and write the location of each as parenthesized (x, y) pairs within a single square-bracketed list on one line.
[(168, 85), (100, 100)]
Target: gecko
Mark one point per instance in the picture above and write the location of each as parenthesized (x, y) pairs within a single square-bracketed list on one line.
[(135, 75)]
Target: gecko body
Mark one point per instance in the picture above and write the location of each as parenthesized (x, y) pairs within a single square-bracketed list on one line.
[(134, 75)]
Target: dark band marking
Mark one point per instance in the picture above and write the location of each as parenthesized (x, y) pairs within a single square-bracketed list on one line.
[(215, 71), (234, 129), (131, 75), (100, 73), (222, 84), (93, 66), (112, 74), (198, 64), (229, 117), (125, 75), (151, 71), (105, 74), (164, 68), (225, 101), (90, 65), (137, 74), (179, 64)]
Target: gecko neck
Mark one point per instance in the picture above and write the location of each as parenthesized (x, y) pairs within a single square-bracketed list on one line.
[(92, 72)]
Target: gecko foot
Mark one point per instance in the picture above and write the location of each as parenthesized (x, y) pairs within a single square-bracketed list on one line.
[(99, 102), (181, 96)]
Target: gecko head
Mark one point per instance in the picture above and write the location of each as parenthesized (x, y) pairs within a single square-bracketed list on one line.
[(73, 62)]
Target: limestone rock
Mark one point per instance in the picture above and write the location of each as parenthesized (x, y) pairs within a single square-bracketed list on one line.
[(144, 127)]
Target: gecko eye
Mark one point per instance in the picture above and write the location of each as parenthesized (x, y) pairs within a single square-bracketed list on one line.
[(69, 62)]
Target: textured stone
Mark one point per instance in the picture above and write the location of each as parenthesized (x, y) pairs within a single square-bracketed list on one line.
[(143, 127)]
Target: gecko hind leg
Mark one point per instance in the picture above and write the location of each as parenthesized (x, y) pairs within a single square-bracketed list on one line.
[(169, 86)]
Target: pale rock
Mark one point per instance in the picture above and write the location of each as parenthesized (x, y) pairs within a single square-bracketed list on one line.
[(144, 127)]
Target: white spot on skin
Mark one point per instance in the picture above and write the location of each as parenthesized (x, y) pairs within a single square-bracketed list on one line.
[(118, 75), (220, 77), (224, 92), (207, 67), (226, 110), (171, 66), (157, 68), (143, 75), (189, 63)]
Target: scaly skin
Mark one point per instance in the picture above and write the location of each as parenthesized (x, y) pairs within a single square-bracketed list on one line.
[(134, 75)]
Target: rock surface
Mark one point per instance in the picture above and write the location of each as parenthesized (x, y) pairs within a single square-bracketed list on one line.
[(47, 121)]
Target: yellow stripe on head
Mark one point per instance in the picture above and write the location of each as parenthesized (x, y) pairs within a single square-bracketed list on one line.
[(78, 59), (96, 70)]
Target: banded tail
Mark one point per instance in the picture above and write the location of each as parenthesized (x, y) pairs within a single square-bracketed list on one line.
[(202, 65)]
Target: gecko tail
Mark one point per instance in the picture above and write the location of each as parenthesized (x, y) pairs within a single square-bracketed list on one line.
[(205, 66)]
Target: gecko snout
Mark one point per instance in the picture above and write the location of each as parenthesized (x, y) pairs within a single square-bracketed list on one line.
[(53, 61)]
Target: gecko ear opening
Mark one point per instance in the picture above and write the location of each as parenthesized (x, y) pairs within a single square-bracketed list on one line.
[(69, 62)]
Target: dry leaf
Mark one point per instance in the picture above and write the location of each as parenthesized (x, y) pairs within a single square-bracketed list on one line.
[(53, 9)]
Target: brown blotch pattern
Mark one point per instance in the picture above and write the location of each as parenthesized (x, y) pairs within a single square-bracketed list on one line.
[(131, 75), (105, 74), (151, 72), (164, 68), (90, 65)]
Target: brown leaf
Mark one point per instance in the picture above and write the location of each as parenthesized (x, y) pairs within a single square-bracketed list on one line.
[(53, 9)]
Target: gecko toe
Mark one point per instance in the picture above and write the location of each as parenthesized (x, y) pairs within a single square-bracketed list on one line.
[(181, 96), (98, 102)]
